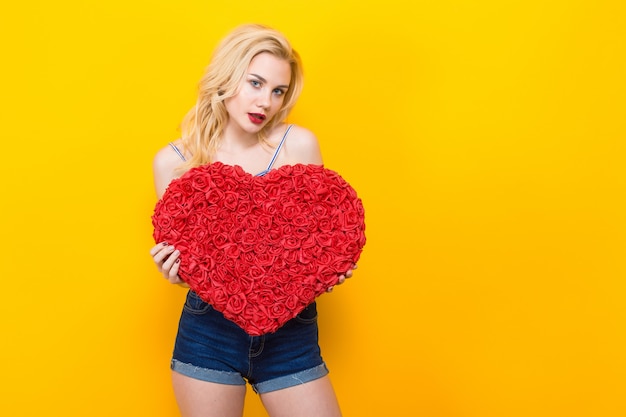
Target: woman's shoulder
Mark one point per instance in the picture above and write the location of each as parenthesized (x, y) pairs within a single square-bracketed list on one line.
[(301, 146), (301, 133), (169, 156), (164, 165)]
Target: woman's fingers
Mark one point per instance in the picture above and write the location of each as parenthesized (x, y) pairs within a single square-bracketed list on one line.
[(161, 253), (166, 258), (171, 264), (342, 278), (156, 248)]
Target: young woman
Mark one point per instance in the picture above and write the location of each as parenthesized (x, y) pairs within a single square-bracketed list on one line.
[(251, 84)]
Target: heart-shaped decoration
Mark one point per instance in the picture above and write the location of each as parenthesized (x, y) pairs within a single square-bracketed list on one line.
[(261, 249)]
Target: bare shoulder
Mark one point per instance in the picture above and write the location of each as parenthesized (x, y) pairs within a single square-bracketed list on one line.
[(302, 147), (164, 167), (166, 159)]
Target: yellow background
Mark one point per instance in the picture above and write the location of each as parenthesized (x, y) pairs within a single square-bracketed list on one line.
[(485, 137)]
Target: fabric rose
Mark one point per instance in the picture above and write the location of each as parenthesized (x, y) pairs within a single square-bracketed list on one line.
[(261, 249)]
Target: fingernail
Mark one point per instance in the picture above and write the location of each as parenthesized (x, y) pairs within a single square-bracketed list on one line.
[(164, 243)]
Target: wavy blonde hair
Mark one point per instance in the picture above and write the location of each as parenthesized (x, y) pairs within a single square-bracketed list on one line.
[(203, 125)]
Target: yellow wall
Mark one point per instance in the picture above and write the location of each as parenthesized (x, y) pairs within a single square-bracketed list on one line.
[(485, 137)]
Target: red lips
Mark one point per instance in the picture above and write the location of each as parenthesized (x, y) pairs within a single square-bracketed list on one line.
[(256, 118)]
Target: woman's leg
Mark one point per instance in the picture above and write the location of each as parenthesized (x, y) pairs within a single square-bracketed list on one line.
[(312, 399), (197, 398)]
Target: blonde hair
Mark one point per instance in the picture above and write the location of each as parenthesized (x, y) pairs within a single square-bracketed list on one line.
[(203, 125)]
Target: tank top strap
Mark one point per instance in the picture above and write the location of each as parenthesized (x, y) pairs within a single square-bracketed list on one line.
[(280, 145), (178, 151)]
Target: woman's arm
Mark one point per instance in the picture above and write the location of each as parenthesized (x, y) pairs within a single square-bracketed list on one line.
[(163, 168), (166, 257)]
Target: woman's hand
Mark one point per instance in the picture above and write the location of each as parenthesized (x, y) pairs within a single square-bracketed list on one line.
[(166, 258), (343, 277)]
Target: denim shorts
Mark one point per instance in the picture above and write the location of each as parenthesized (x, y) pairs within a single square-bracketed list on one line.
[(212, 348)]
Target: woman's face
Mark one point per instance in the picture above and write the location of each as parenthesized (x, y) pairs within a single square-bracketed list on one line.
[(261, 93)]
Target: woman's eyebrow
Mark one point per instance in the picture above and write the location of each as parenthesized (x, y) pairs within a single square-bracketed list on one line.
[(265, 81)]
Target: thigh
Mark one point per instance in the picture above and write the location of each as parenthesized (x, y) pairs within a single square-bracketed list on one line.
[(197, 398), (313, 399)]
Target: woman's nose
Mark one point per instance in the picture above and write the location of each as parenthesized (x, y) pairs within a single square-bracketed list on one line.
[(264, 99)]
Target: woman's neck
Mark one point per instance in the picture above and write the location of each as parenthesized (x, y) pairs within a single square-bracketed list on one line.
[(235, 139)]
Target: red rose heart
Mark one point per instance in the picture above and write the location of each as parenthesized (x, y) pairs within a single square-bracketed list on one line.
[(260, 249)]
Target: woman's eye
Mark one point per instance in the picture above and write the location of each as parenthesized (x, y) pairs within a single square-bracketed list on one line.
[(279, 92), (255, 83)]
